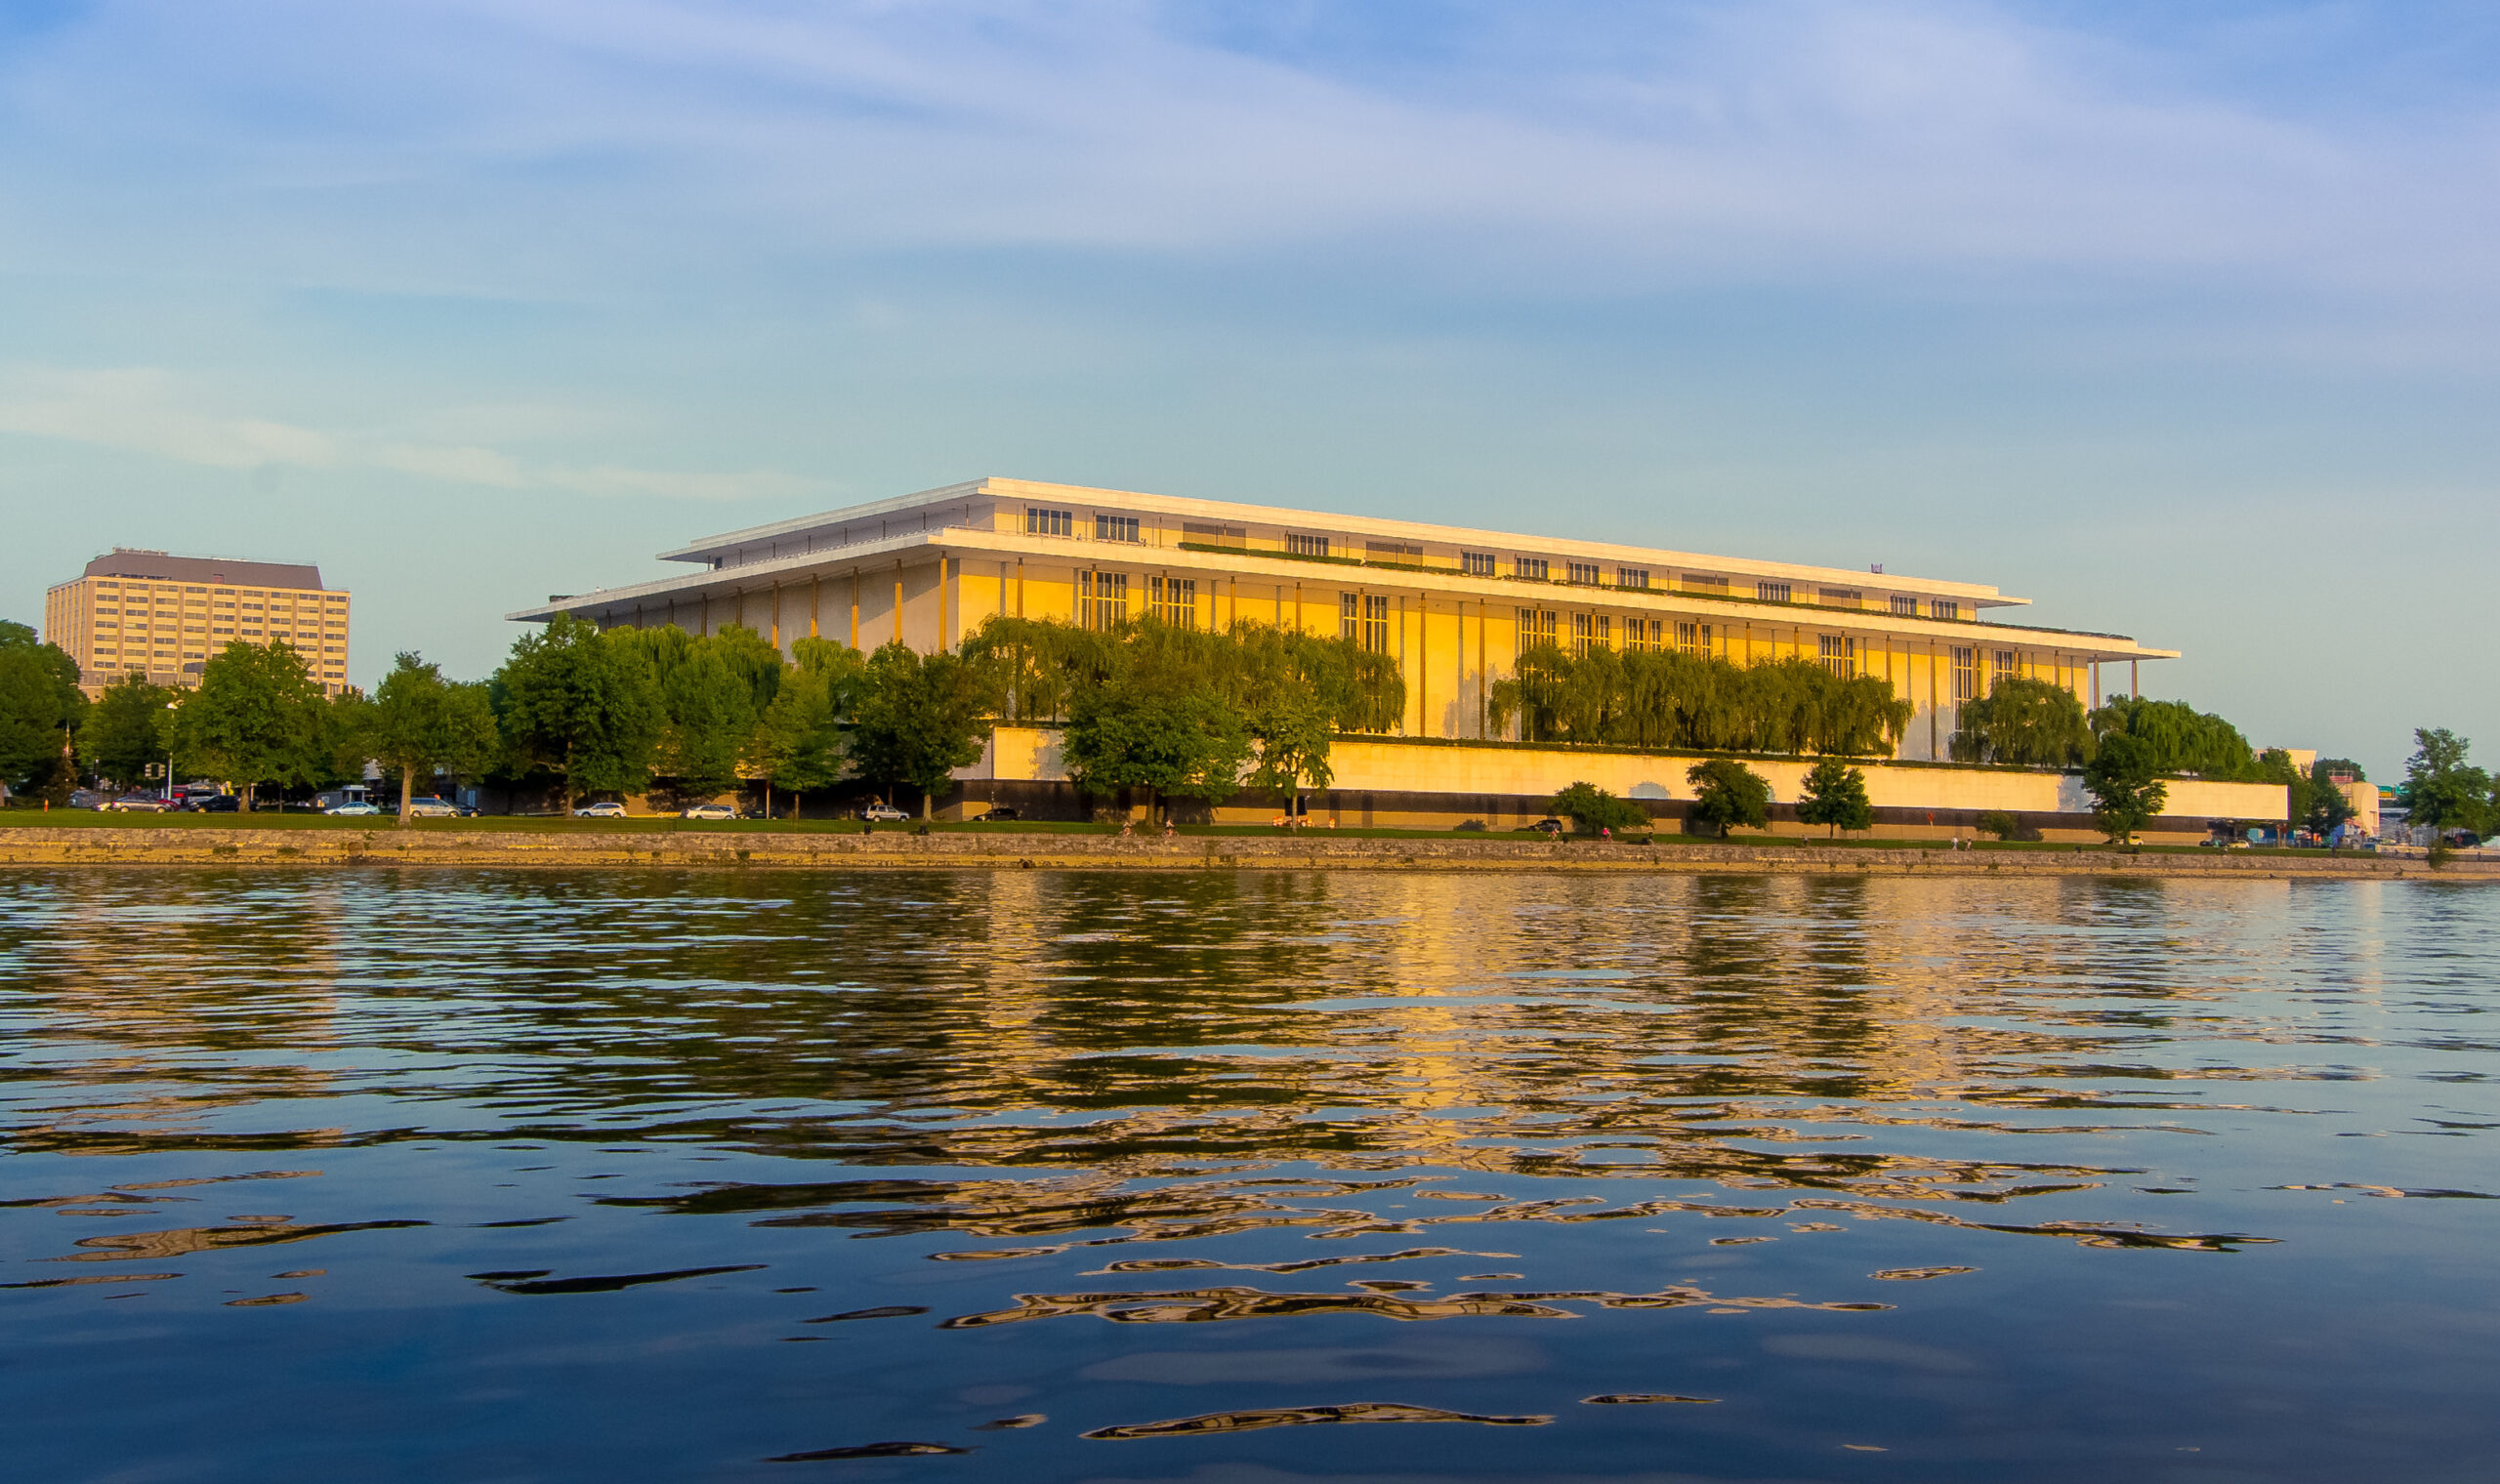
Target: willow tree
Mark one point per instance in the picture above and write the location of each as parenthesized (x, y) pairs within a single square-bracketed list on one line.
[(1698, 702), (2178, 738), (2024, 722)]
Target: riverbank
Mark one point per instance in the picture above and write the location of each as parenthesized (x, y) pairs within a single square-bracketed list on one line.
[(775, 849)]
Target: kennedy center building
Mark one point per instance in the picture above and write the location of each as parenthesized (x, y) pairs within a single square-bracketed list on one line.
[(1454, 607)]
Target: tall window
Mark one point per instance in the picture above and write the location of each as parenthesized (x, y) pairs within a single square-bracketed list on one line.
[(1047, 522), (1839, 654), (1174, 600), (1115, 528), (1641, 634), (1581, 573), (1350, 615), (1376, 624), (1475, 564), (1944, 607), (1584, 631), (1536, 627), (1966, 672), (2006, 662), (1692, 638), (1306, 546), (1904, 607), (1772, 591), (1532, 568), (1102, 599), (1631, 577)]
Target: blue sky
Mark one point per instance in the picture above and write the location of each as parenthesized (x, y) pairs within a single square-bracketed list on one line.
[(2182, 325)]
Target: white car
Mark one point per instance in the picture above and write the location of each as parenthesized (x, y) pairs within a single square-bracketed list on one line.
[(884, 814), (605, 809), (352, 809), (433, 808), (708, 812)]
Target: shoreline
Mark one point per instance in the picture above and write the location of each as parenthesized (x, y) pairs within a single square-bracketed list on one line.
[(775, 851)]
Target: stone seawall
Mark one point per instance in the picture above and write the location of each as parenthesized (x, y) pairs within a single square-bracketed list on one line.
[(768, 850)]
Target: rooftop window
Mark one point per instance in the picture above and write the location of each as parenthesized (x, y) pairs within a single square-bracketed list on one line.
[(1476, 563), (1532, 568), (1115, 528), (1581, 573), (1772, 591), (1048, 522), (1307, 546), (1944, 607), (1632, 577), (1904, 607)]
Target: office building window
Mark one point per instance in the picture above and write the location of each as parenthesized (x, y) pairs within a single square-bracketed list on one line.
[(1048, 522), (1115, 528), (1580, 573), (1376, 624), (1174, 600), (1692, 638), (2006, 663), (1966, 672), (1307, 546), (1632, 577), (1583, 631), (1944, 607), (1476, 563), (1102, 599), (1233, 536), (1531, 568), (1772, 591), (1536, 627), (1639, 634), (1702, 583), (1393, 551), (1841, 597), (1839, 654), (1904, 607), (1350, 615)]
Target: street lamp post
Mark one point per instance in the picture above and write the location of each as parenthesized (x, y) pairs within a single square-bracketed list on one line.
[(168, 795)]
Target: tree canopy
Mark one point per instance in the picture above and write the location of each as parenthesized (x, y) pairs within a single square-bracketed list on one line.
[(257, 716), (2024, 722), (920, 718), (1727, 794), (2179, 740), (583, 705), (2121, 778), (2441, 790), (1835, 794), (803, 741), (125, 733), (41, 705), (419, 723), (1592, 808), (1653, 700)]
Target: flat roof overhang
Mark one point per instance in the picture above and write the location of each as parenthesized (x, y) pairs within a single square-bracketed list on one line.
[(613, 604)]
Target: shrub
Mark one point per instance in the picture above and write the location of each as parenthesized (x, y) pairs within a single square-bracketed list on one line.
[(1592, 808), (2000, 823)]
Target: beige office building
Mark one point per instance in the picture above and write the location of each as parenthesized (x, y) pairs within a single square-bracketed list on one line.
[(164, 617)]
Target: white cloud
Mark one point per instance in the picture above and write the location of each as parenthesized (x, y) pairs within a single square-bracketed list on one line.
[(147, 410)]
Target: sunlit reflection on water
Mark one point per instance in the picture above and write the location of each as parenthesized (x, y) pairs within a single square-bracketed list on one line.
[(1210, 1178)]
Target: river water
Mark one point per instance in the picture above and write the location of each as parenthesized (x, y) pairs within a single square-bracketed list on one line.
[(1244, 1179)]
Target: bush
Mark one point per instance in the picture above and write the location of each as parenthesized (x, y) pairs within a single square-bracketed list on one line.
[(1469, 824), (1592, 808)]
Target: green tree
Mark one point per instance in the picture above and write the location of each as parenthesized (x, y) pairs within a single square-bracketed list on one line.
[(1726, 793), (1179, 744), (258, 717), (1593, 808), (2179, 740), (40, 707), (803, 741), (1836, 796), (2440, 790), (582, 705), (2125, 792), (419, 723), (711, 721), (919, 718), (2024, 722), (125, 731)]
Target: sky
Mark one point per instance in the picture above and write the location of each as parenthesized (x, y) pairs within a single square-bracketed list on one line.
[(2179, 320)]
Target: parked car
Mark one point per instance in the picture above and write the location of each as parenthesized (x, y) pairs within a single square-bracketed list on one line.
[(85, 798), (354, 809), (1549, 825), (433, 806), (708, 812), (213, 804), (136, 803), (1003, 813), (884, 814), (605, 809)]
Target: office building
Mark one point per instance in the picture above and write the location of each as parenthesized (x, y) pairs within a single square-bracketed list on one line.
[(164, 616)]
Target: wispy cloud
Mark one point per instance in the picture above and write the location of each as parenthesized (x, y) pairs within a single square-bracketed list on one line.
[(147, 410)]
